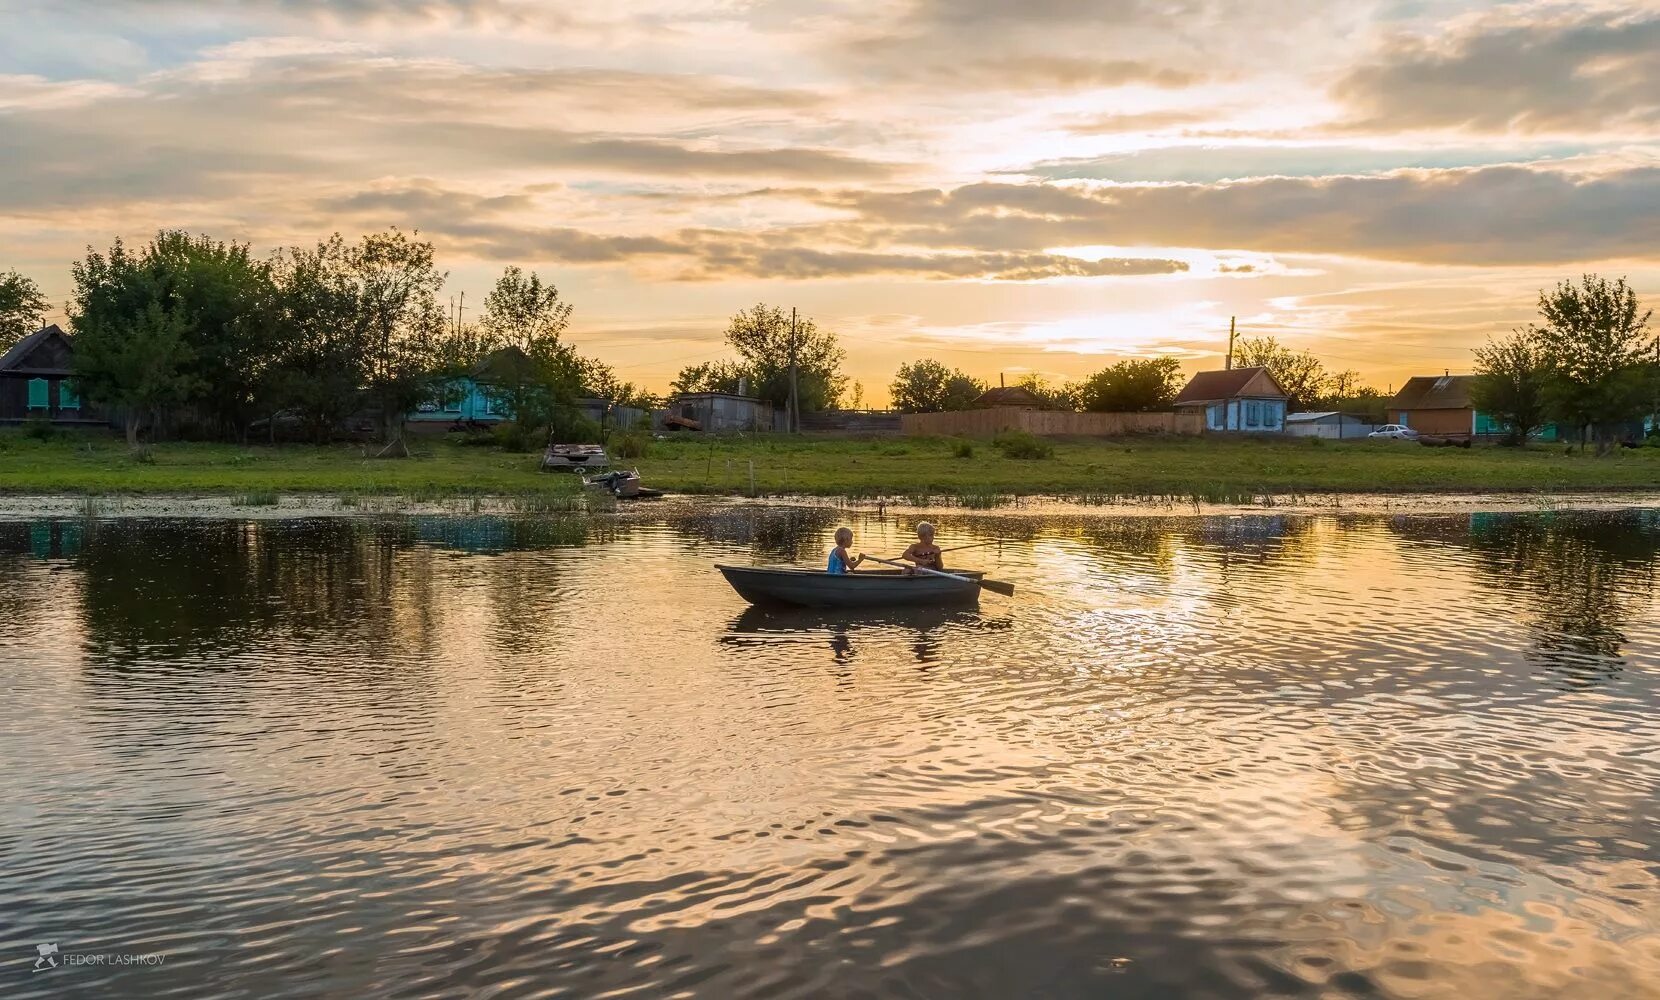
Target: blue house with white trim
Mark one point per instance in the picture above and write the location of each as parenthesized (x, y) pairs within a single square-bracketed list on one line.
[(1236, 399)]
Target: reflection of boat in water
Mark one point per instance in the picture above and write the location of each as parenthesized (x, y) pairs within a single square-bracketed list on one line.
[(769, 621), (622, 484), (810, 588)]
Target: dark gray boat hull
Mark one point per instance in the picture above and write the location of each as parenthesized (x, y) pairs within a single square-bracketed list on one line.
[(808, 588)]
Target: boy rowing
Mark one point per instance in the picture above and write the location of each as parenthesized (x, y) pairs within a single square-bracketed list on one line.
[(923, 552)]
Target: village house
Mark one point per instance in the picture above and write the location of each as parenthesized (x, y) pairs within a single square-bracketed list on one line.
[(1236, 399), (1439, 405), (717, 412), (468, 401), (37, 381), (1008, 397)]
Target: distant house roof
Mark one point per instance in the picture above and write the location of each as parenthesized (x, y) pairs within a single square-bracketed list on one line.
[(13, 359), (721, 395), (1434, 392), (1007, 395), (1212, 387)]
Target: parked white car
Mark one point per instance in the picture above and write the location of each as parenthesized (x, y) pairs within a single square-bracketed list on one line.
[(1400, 432)]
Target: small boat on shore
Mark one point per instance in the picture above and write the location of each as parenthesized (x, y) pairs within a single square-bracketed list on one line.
[(811, 588), (624, 485)]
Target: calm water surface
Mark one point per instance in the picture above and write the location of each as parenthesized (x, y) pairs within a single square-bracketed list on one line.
[(460, 757)]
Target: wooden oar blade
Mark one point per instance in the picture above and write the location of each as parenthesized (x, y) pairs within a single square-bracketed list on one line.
[(998, 587)]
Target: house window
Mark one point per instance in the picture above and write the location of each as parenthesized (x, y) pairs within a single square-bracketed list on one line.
[(68, 398), (1218, 414), (38, 389), (1253, 413)]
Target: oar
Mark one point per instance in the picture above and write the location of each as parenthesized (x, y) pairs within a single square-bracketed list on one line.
[(975, 545), (995, 586)]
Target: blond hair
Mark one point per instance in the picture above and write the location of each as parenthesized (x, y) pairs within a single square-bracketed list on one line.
[(924, 527), (844, 531)]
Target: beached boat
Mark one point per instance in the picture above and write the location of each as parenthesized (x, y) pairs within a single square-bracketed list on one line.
[(575, 457), (622, 484), (811, 588)]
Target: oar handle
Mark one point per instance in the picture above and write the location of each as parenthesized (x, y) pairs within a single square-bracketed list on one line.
[(924, 569), (974, 545)]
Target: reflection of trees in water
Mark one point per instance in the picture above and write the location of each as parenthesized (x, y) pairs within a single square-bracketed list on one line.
[(1582, 575), (789, 534)]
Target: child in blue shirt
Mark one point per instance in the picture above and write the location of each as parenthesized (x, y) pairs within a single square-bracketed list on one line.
[(841, 560)]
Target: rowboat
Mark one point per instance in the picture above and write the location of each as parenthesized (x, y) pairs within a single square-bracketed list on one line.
[(813, 588)]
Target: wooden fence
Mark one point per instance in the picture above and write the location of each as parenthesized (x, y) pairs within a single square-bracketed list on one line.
[(985, 423)]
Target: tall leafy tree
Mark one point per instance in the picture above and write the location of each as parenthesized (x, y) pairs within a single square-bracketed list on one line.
[(22, 308), (763, 337), (133, 331), (1512, 376), (927, 386), (532, 373), (321, 336), (396, 303), (1595, 336), (1299, 373), (1130, 386), (230, 299), (712, 376)]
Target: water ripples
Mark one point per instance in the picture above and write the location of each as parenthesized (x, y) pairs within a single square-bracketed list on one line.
[(418, 757)]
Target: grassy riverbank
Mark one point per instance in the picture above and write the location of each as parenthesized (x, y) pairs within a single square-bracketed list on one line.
[(1212, 469)]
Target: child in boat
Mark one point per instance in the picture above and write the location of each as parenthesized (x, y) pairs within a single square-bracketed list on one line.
[(841, 560), (923, 552)]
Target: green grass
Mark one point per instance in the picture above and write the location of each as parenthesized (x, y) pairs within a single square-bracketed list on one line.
[(1208, 470), (98, 463)]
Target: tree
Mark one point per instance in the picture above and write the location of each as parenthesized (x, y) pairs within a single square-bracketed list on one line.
[(22, 308), (1299, 373), (927, 386), (132, 349), (532, 373), (711, 376), (396, 306), (1130, 386), (321, 350), (1595, 339), (762, 338), (1510, 384), (230, 299), (1050, 397)]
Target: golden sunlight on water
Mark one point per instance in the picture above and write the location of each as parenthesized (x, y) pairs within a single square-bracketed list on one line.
[(1199, 756)]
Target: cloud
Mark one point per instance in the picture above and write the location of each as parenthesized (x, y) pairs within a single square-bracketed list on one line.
[(1489, 216), (1591, 73)]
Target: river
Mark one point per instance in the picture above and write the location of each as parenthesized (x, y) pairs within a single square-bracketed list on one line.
[(1409, 755)]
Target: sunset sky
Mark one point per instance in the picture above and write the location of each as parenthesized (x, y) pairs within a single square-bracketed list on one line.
[(1049, 185)]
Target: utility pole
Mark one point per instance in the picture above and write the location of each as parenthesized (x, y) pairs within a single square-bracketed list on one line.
[(1229, 365), (795, 400)]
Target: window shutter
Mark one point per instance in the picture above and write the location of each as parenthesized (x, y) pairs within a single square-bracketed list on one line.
[(37, 394)]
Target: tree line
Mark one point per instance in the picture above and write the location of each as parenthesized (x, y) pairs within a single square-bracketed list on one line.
[(1140, 384), (187, 329)]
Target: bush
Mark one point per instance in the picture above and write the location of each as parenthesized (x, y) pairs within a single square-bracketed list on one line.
[(39, 428), (1022, 444), (962, 449), (630, 445), (571, 427), (510, 437)]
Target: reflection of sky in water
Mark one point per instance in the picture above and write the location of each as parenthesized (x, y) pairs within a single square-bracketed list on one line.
[(1408, 755)]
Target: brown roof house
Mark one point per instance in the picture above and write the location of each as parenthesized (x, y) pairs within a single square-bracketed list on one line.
[(36, 381), (1007, 397), (1236, 399), (1436, 404)]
